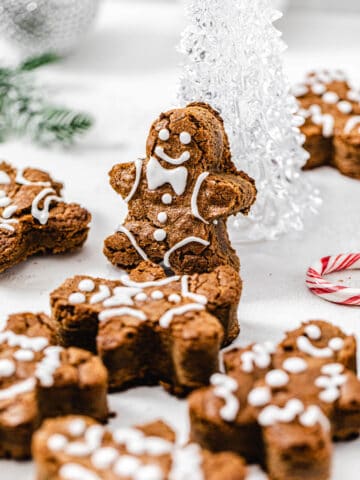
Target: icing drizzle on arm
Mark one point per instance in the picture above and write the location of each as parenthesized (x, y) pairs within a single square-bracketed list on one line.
[(138, 167), (194, 197)]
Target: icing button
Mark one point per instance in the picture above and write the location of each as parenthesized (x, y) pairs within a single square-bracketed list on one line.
[(159, 235), (166, 199)]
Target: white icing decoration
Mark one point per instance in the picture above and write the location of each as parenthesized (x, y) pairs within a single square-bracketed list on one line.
[(76, 298), (318, 88), (43, 215), (21, 180), (273, 414), (86, 285), (187, 463), (24, 355), (351, 123), (133, 242), (225, 387), (174, 298), (353, 95), (141, 297), (259, 355), (34, 343), (164, 134), (49, 364), (101, 295), (158, 176), (94, 436), (344, 107), (127, 466), (104, 457), (157, 295), (181, 244), (7, 368), (184, 157), (18, 389), (330, 382), (125, 279), (9, 211), (185, 292), (121, 296), (259, 396), (7, 224), (330, 97), (74, 471), (159, 235), (4, 202), (336, 344), (78, 449), (299, 90), (313, 331), (166, 199), (276, 378), (327, 121), (162, 217), (4, 178), (297, 120), (138, 444), (57, 442), (304, 345), (332, 368), (185, 138), (295, 365), (118, 312), (195, 194), (313, 415), (168, 316), (76, 427), (138, 167)]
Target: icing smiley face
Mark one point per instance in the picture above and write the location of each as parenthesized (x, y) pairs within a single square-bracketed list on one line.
[(185, 139)]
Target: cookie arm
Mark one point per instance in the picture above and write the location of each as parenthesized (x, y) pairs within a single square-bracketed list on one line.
[(224, 194), (125, 178)]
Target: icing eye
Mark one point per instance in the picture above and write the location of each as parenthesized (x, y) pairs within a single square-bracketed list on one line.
[(164, 134), (185, 138)]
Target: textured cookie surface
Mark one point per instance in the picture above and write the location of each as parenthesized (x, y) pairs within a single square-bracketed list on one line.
[(40, 380), (150, 328), (77, 448), (330, 111), (180, 196), (281, 406), (34, 218)]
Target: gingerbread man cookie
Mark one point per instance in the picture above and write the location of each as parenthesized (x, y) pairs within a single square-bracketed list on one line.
[(149, 328), (34, 218), (39, 379), (77, 448), (329, 117), (180, 196), (281, 406)]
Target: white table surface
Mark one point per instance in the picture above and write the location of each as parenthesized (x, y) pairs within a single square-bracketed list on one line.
[(125, 74)]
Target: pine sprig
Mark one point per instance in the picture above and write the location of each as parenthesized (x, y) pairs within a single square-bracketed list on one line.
[(25, 112)]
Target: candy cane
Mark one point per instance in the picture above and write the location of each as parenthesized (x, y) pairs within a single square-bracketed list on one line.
[(323, 288)]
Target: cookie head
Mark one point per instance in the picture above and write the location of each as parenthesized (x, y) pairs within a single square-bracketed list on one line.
[(193, 136)]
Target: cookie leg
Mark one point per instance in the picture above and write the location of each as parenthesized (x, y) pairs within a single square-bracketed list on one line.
[(121, 252)]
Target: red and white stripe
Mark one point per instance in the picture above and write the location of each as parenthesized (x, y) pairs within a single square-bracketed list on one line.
[(318, 285)]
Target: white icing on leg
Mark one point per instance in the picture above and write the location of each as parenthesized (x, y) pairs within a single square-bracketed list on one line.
[(187, 294), (351, 124), (225, 387), (133, 242), (7, 224), (194, 197), (181, 244), (168, 316)]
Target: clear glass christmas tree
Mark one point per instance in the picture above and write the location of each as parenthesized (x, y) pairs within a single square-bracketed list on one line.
[(234, 62)]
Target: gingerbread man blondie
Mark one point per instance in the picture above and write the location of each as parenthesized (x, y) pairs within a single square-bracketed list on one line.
[(330, 120), (281, 406), (78, 448), (39, 380), (180, 196), (149, 328), (34, 218)]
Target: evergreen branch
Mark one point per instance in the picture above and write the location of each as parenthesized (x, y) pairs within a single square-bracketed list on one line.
[(24, 112), (39, 61)]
